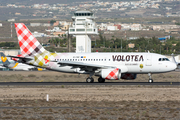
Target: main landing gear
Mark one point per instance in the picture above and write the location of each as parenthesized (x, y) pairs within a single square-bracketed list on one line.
[(101, 80), (90, 80), (150, 78)]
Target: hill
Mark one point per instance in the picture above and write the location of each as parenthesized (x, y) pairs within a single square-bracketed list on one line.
[(31, 2)]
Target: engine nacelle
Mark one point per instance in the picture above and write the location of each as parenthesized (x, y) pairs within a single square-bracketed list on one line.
[(111, 74), (128, 76)]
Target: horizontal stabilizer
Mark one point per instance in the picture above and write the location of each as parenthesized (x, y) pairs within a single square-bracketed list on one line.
[(23, 59)]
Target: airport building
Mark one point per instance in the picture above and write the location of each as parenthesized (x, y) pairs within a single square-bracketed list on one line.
[(83, 26)]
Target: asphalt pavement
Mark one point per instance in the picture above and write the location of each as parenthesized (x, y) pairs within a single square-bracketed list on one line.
[(84, 83)]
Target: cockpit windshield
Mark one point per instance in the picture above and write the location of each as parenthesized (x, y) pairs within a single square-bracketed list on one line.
[(163, 59)]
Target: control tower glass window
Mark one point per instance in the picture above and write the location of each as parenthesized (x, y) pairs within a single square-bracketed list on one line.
[(83, 14)]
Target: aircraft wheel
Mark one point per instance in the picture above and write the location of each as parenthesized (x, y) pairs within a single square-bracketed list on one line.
[(89, 80), (101, 80), (150, 80)]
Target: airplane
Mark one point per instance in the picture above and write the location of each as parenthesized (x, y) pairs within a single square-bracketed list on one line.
[(14, 66), (107, 66)]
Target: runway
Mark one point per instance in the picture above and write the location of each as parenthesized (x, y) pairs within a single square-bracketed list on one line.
[(84, 83)]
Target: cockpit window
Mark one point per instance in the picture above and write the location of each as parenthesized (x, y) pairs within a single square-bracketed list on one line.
[(167, 59), (163, 59)]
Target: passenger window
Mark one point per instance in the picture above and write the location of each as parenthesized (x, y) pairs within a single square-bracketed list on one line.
[(164, 59), (159, 59)]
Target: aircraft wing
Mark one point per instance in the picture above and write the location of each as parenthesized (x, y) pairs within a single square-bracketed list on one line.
[(83, 66)]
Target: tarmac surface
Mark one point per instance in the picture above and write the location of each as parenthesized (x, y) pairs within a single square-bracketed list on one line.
[(84, 83)]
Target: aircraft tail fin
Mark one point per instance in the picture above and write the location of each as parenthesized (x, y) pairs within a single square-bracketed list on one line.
[(4, 59), (29, 45)]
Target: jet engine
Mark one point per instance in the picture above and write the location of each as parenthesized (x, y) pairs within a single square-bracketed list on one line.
[(128, 76), (111, 74)]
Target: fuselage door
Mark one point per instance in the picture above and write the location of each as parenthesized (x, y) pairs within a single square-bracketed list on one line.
[(148, 60)]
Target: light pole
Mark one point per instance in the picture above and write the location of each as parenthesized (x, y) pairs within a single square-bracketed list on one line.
[(121, 45), (160, 49)]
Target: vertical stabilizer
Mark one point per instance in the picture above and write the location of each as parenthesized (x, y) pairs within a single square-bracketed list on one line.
[(29, 45), (4, 60)]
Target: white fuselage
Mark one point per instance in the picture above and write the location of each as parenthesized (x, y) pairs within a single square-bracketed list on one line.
[(139, 63)]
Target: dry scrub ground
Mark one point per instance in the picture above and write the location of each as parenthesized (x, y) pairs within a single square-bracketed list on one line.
[(50, 76), (87, 102)]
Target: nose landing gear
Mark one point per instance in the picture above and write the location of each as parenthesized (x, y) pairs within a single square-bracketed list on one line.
[(150, 78)]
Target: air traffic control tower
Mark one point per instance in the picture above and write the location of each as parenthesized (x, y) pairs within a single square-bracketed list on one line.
[(83, 25)]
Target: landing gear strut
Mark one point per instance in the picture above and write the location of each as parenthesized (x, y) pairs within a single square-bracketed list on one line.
[(101, 80), (150, 78), (90, 79)]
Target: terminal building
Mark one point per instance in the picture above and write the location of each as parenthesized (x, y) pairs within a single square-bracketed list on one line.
[(83, 25)]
